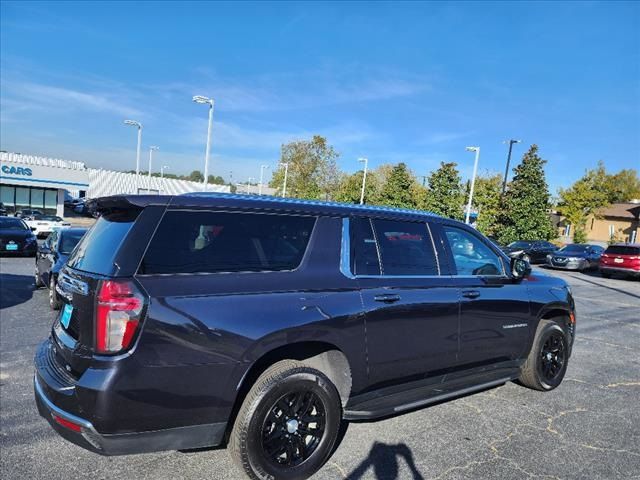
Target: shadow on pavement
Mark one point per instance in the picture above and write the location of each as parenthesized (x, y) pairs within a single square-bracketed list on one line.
[(383, 459), (15, 289)]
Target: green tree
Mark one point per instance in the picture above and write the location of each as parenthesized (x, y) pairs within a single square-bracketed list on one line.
[(351, 185), (216, 180), (196, 176), (313, 172), (525, 211), (584, 198), (445, 195), (486, 199), (397, 190), (623, 186)]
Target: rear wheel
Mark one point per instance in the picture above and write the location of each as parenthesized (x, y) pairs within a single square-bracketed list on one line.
[(54, 299), (288, 423), (37, 280), (547, 362)]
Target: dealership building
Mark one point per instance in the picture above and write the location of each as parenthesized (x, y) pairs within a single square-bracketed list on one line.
[(41, 183)]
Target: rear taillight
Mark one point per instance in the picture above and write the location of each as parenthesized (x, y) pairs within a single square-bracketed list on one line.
[(118, 315)]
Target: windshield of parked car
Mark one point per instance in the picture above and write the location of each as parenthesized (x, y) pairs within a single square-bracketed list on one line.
[(12, 224), (69, 240), (48, 218), (520, 244), (574, 249)]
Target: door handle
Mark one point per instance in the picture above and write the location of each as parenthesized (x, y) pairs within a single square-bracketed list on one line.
[(470, 293), (387, 298)]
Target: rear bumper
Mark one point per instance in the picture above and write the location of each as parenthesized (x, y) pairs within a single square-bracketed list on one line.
[(627, 271), (57, 399)]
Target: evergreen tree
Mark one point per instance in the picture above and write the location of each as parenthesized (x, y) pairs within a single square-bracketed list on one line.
[(445, 192), (397, 190), (351, 186), (526, 205), (486, 199)]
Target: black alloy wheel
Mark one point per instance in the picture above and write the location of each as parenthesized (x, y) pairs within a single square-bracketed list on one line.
[(552, 357), (293, 428)]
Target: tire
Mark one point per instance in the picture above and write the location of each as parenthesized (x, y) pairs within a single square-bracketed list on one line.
[(546, 364), (265, 442), (37, 280), (54, 299)]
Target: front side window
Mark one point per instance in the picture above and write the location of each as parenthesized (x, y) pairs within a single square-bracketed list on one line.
[(210, 242), (471, 255), (405, 248)]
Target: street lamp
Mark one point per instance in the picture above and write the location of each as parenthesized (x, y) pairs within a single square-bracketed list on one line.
[(473, 180), (206, 101), (286, 172), (138, 125), (151, 149), (364, 178), (262, 169), (506, 170)]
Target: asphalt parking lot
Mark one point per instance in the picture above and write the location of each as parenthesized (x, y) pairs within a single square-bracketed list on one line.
[(587, 428)]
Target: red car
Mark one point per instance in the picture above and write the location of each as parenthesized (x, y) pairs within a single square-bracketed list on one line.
[(623, 258)]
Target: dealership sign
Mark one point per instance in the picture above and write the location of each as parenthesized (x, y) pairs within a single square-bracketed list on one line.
[(16, 170)]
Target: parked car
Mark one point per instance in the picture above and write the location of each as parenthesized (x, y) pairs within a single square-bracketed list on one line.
[(534, 251), (191, 319), (43, 225), (27, 214), (576, 256), (621, 258), (3, 210), (51, 257), (16, 238)]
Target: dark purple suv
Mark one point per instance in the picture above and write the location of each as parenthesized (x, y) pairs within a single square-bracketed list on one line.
[(263, 323)]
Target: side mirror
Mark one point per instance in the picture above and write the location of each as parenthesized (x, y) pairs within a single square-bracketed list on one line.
[(520, 268)]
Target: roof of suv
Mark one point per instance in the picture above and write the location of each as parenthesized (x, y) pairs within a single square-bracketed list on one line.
[(205, 199)]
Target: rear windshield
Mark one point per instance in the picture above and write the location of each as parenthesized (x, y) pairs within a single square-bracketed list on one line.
[(98, 248), (210, 242), (623, 250), (69, 240), (12, 224)]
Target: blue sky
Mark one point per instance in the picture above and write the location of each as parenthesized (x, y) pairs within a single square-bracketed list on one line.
[(412, 82)]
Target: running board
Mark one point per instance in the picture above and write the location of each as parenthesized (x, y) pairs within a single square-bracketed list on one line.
[(420, 397)]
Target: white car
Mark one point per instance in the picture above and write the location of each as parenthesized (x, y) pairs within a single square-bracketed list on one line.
[(42, 225)]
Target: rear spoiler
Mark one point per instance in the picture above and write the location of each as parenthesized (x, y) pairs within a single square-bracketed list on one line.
[(127, 202)]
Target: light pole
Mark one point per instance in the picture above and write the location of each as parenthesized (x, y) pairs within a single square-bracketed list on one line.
[(473, 180), (262, 169), (364, 178), (206, 101), (162, 176), (506, 170), (151, 149), (249, 184), (138, 125), (286, 173)]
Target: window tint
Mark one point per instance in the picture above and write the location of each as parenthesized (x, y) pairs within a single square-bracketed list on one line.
[(7, 223), (364, 253), (69, 240), (623, 250), (209, 242), (471, 255), (98, 248), (405, 248)]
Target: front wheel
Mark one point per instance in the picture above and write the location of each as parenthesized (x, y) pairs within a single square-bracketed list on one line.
[(547, 362), (54, 299), (288, 423)]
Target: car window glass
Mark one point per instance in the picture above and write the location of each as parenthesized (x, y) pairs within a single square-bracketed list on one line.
[(209, 242), (405, 248), (68, 241), (364, 252), (471, 255)]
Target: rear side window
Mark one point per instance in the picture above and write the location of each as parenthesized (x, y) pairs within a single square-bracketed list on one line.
[(98, 248), (364, 252), (210, 242), (622, 250), (405, 248)]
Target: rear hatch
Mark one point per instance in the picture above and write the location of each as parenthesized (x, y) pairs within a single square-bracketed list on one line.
[(621, 256), (104, 261)]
